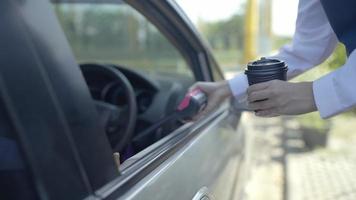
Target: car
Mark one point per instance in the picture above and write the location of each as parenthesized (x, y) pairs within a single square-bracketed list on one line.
[(84, 86)]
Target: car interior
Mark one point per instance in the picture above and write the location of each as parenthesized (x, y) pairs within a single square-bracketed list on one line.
[(135, 75)]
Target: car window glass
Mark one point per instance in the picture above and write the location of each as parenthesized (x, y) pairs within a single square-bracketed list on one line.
[(118, 34)]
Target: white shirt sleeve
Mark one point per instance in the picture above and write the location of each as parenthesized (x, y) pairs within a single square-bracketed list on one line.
[(336, 92), (313, 42)]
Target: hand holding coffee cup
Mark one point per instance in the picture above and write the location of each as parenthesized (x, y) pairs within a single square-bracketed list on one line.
[(265, 69), (270, 95)]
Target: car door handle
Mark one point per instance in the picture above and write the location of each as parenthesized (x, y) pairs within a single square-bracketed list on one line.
[(203, 194)]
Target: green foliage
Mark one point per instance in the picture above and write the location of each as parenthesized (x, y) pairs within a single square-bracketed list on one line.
[(117, 34), (226, 37), (226, 34), (280, 41), (338, 58)]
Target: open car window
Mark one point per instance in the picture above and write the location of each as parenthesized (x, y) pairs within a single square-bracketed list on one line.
[(116, 33)]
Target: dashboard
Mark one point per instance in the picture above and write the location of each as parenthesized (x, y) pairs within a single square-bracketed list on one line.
[(108, 90), (157, 94)]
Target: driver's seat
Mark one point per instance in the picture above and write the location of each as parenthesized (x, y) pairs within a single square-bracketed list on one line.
[(49, 104)]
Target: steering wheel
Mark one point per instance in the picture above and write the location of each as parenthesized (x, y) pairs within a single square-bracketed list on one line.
[(118, 120)]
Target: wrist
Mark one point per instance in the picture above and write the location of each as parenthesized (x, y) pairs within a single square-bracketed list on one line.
[(224, 88), (310, 94), (238, 86)]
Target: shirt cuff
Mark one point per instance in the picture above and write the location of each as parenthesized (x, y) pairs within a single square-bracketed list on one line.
[(238, 86), (325, 96)]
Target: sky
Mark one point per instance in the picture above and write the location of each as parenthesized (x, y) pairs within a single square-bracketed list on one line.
[(283, 12)]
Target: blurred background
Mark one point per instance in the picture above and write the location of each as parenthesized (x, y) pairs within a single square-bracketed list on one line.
[(301, 157)]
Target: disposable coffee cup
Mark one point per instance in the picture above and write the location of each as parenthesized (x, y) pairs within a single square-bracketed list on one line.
[(265, 69)]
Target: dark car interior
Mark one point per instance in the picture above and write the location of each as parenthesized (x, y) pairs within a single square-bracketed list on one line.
[(130, 101), (135, 75)]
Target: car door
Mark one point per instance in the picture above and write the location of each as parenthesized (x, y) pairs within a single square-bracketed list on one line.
[(200, 160), (66, 153)]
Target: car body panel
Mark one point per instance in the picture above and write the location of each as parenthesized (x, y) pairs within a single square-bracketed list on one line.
[(210, 160), (49, 105)]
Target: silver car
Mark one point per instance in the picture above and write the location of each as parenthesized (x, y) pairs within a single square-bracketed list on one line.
[(81, 83)]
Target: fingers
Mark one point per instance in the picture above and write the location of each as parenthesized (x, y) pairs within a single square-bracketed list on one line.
[(200, 85), (209, 108), (274, 95), (200, 115), (258, 95), (262, 105), (269, 85), (216, 93), (262, 96), (213, 103), (258, 87), (267, 113), (196, 85)]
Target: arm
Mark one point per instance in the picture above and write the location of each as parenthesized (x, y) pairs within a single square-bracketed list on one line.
[(330, 95), (336, 92), (313, 41)]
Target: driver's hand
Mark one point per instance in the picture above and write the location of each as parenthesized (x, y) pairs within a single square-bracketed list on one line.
[(217, 92)]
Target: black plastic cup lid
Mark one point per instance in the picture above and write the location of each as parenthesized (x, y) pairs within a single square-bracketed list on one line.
[(266, 72), (279, 69), (267, 77), (265, 64)]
